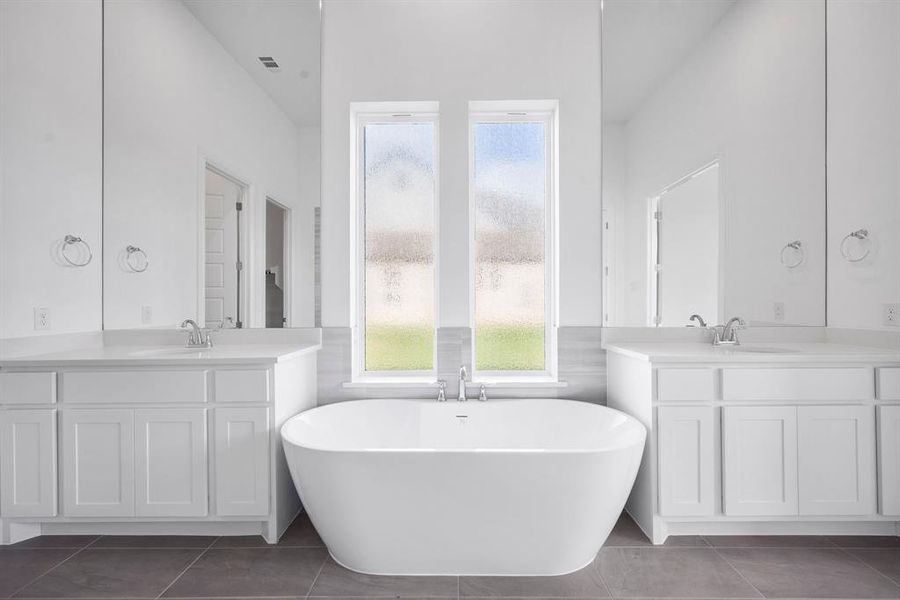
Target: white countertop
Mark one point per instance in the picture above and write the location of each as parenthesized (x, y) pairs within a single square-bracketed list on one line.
[(163, 355), (775, 352)]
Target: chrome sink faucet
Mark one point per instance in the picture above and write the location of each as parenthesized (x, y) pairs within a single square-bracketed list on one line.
[(196, 336), (728, 336), (461, 396)]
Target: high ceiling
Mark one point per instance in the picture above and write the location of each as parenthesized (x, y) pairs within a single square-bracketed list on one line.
[(643, 41), (286, 30)]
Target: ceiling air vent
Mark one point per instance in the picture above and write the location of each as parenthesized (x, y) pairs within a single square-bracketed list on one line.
[(269, 63)]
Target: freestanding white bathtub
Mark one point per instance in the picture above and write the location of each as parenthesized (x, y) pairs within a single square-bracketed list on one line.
[(504, 487)]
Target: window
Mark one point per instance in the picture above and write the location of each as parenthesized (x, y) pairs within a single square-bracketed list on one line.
[(512, 212), (396, 191)]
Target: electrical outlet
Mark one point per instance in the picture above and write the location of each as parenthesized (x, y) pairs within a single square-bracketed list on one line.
[(146, 314), (41, 317), (891, 315), (778, 311)]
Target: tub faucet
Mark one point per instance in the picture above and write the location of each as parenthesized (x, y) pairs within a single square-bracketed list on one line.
[(461, 397)]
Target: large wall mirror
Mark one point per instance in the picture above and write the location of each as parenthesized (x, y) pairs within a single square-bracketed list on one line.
[(211, 162), (714, 161)]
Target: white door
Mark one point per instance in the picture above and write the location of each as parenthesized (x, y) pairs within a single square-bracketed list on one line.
[(98, 463), (242, 461), (688, 245), (759, 453), (889, 459), (28, 463), (170, 462), (222, 197), (837, 460), (686, 461)]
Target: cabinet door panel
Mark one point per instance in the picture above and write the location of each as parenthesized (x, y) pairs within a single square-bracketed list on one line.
[(889, 459), (760, 460), (98, 463), (170, 461), (242, 461), (28, 463), (686, 453), (837, 460)]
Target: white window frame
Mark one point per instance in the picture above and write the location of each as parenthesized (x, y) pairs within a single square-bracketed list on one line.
[(362, 114), (523, 111)]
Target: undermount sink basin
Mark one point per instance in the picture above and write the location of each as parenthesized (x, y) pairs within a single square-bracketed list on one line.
[(762, 350), (173, 352)]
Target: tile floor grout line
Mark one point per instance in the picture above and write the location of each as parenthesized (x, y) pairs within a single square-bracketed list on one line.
[(741, 575), (596, 567), (59, 564), (316, 578), (185, 570), (870, 567)]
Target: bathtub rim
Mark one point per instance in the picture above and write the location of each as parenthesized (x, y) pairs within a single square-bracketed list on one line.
[(287, 439)]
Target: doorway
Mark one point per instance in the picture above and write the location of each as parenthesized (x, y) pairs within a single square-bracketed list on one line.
[(277, 264), (224, 207), (684, 235)]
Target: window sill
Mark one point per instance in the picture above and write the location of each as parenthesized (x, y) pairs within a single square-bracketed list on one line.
[(470, 385), (390, 383)]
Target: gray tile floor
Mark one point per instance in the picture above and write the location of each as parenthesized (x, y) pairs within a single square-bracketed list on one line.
[(299, 567)]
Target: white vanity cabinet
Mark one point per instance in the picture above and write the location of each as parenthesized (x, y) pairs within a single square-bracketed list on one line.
[(836, 455), (170, 462), (28, 453), (759, 460), (28, 462), (242, 464), (125, 462), (98, 462), (686, 460), (889, 459), (751, 443), (185, 446)]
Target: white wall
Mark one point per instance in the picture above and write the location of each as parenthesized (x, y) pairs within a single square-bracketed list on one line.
[(454, 51), (752, 96), (863, 158), (173, 94), (50, 162)]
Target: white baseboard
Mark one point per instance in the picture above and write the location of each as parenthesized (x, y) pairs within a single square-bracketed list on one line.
[(224, 528)]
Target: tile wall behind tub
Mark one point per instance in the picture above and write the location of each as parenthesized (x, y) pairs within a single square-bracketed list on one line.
[(582, 365)]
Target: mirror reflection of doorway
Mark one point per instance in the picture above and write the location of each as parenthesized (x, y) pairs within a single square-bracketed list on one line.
[(277, 268), (224, 205), (684, 269)]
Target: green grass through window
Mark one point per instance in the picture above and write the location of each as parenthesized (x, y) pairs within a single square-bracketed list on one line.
[(500, 348)]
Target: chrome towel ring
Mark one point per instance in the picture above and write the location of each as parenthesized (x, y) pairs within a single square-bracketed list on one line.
[(862, 237), (72, 240), (136, 259), (793, 255)]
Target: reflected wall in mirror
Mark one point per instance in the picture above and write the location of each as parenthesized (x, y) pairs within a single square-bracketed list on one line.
[(211, 161), (714, 161)]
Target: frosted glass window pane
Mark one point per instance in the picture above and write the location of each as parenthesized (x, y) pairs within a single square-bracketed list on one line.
[(399, 246), (510, 221)]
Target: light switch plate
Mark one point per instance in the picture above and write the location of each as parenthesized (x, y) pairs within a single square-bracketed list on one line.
[(146, 314)]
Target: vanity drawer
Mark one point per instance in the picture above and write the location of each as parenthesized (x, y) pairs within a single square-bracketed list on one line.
[(851, 383), (242, 385), (27, 388), (134, 386), (685, 385), (888, 383)]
